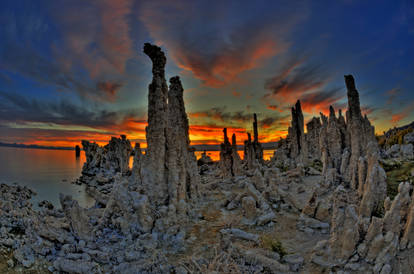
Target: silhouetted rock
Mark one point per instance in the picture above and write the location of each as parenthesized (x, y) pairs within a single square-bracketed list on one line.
[(253, 151), (77, 151), (226, 157)]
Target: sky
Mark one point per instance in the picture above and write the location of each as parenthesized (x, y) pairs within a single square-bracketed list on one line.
[(74, 69)]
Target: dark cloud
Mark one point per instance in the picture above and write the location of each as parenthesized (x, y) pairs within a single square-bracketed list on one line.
[(219, 114), (298, 79), (294, 79), (17, 109), (30, 64), (110, 89), (239, 118), (89, 56), (230, 51), (320, 100)]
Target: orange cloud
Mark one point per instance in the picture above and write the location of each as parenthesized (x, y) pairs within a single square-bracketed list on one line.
[(227, 65), (320, 101), (404, 113), (97, 36), (245, 47), (236, 94), (109, 88)]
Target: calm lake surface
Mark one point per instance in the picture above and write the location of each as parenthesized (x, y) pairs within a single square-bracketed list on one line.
[(50, 172), (47, 172)]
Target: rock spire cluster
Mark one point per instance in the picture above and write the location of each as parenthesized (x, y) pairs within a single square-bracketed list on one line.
[(324, 194)]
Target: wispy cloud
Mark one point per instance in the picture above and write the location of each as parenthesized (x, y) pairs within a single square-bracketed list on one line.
[(392, 94), (215, 55), (88, 57), (402, 114), (17, 109), (297, 79)]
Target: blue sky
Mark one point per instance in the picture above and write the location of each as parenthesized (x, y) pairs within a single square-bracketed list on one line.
[(72, 70)]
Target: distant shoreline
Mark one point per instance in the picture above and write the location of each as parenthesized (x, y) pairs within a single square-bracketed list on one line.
[(266, 146), (35, 146)]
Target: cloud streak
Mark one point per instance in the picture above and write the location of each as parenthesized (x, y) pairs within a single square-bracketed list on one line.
[(297, 79), (17, 109), (229, 52)]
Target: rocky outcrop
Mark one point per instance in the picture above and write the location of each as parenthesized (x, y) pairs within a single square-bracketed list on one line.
[(359, 130), (324, 190), (166, 177), (296, 134), (156, 182), (104, 162), (111, 158), (253, 151), (230, 162), (365, 226), (313, 128), (164, 181), (331, 140), (181, 164), (403, 152)]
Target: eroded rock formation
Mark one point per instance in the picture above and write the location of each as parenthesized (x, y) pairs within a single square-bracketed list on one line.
[(253, 151), (230, 162), (320, 205), (103, 163)]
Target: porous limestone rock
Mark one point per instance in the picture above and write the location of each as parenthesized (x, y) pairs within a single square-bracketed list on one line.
[(103, 163), (230, 163), (312, 138), (155, 157), (253, 151), (77, 217), (181, 164), (296, 133)]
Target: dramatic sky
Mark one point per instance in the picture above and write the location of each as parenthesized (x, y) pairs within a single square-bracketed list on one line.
[(72, 70)]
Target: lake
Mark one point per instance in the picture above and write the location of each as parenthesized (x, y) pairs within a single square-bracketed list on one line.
[(50, 172), (47, 172)]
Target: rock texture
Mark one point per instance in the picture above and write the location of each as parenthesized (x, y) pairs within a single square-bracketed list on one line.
[(322, 204), (168, 172), (156, 129), (103, 163), (253, 151), (230, 162)]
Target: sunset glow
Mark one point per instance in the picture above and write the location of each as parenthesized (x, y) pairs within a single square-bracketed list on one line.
[(70, 73)]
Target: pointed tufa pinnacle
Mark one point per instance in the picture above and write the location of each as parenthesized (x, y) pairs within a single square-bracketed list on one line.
[(226, 139), (353, 97), (331, 111), (233, 140), (350, 82), (255, 131), (298, 106)]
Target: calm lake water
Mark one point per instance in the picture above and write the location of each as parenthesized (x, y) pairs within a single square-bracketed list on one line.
[(47, 172), (50, 172)]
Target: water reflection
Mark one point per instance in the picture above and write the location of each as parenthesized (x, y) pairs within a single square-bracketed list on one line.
[(48, 172)]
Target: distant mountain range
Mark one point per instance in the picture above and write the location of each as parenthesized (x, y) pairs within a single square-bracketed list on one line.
[(271, 145), (34, 146)]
